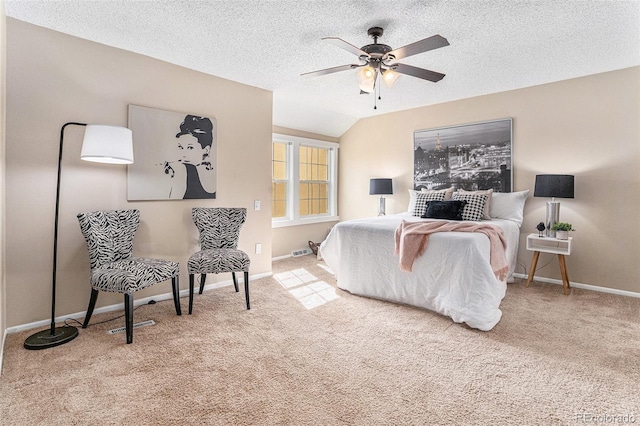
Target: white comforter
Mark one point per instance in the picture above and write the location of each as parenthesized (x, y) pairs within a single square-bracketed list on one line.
[(453, 277)]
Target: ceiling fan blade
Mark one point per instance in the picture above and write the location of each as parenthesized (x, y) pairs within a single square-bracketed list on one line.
[(418, 72), (431, 43), (346, 46), (329, 70)]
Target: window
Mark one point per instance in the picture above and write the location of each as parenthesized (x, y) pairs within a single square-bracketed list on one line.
[(304, 181)]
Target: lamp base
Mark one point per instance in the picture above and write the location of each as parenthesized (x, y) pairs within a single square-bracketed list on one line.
[(44, 339), (553, 216), (381, 207)]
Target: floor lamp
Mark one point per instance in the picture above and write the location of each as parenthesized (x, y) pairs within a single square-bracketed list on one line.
[(553, 186), (102, 144)]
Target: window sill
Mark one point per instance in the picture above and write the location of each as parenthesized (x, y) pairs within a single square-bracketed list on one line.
[(304, 221)]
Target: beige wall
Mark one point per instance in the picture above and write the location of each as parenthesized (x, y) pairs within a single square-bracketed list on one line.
[(53, 78), (290, 238), (589, 127)]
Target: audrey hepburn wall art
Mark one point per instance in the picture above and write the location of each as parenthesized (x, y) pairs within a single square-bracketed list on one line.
[(175, 155)]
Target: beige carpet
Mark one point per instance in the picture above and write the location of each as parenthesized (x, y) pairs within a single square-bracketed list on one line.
[(552, 359)]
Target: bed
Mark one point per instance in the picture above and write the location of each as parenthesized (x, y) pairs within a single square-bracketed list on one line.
[(452, 277)]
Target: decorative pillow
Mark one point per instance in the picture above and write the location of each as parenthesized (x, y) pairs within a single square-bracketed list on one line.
[(489, 192), (413, 193), (474, 209), (451, 210), (448, 192), (509, 205), (422, 198)]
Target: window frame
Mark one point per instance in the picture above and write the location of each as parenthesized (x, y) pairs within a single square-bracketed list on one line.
[(293, 217)]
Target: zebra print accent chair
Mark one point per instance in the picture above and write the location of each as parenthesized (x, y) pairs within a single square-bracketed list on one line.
[(109, 236), (219, 233)]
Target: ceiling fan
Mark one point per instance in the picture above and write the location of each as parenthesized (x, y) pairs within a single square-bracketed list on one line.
[(380, 60)]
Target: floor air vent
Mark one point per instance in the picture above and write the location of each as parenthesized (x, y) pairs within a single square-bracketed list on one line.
[(302, 252), (136, 325)]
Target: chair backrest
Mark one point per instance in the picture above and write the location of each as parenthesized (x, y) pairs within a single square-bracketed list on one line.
[(109, 234), (219, 227)]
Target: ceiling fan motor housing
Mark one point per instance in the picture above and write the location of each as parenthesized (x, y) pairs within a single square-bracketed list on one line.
[(377, 52)]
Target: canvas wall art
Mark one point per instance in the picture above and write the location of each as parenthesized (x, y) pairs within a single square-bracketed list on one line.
[(470, 157), (174, 155)]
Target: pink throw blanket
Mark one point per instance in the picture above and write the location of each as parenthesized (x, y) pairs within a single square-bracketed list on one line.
[(412, 237)]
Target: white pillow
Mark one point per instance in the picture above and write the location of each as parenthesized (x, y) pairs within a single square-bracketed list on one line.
[(508, 205), (412, 200)]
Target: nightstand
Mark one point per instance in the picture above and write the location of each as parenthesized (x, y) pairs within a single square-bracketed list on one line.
[(550, 245)]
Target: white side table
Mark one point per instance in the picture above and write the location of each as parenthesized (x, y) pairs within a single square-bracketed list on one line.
[(550, 245)]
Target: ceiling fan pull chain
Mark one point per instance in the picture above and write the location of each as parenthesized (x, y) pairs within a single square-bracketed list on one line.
[(376, 87)]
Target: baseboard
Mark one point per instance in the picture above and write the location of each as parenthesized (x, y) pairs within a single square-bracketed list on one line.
[(4, 338), (120, 306), (583, 286), (287, 256)]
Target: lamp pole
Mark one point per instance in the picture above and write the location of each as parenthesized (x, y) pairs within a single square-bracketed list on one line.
[(55, 335)]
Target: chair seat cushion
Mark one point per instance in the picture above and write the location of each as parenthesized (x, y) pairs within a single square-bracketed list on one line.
[(215, 261), (133, 274)]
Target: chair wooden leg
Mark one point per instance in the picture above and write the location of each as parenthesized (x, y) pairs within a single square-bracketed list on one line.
[(246, 289), (235, 281), (176, 294), (128, 316), (92, 304), (191, 279), (202, 278)]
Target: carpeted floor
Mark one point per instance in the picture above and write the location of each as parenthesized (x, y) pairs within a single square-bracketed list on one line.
[(552, 359)]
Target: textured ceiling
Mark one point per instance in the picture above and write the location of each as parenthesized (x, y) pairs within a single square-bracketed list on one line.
[(496, 45)]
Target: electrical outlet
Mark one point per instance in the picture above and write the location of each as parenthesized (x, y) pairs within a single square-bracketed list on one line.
[(256, 205), (258, 248)]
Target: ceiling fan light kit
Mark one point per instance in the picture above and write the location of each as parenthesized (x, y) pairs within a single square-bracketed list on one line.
[(366, 79), (390, 77), (380, 61)]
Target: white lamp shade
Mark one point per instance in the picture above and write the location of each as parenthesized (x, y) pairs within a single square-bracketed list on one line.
[(390, 77), (107, 144), (366, 78)]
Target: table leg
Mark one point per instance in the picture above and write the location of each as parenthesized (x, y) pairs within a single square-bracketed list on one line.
[(566, 286), (532, 270)]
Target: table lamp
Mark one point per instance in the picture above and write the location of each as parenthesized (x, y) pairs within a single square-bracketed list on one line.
[(381, 187), (560, 186)]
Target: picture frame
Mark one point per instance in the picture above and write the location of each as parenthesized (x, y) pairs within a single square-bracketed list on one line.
[(174, 155), (471, 157)]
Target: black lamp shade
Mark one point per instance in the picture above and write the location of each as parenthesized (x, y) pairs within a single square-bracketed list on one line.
[(560, 186), (380, 186)]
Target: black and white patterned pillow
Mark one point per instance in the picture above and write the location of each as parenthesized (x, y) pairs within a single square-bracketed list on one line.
[(422, 198), (474, 209)]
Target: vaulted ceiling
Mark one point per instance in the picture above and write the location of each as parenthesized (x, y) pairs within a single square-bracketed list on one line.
[(495, 45)]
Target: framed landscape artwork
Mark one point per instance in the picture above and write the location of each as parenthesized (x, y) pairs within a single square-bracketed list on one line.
[(174, 155), (469, 156)]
